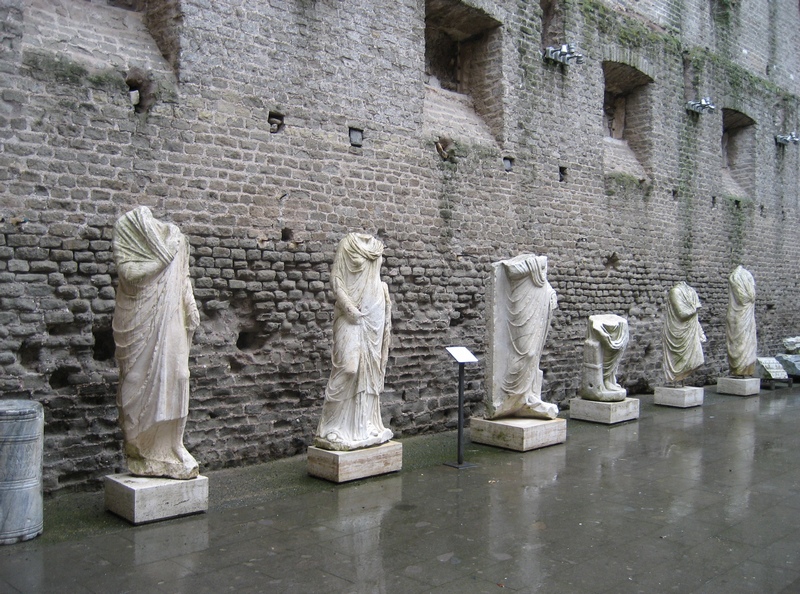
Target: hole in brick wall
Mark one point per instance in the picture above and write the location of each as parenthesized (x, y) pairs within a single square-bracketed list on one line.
[(562, 174), (762, 211), (132, 5), (551, 22), (104, 345), (737, 204), (356, 137), (674, 194), (60, 377), (738, 144), (29, 354), (713, 202), (611, 261), (236, 365), (456, 321), (248, 340), (286, 234), (61, 329), (275, 121), (140, 89), (508, 163)]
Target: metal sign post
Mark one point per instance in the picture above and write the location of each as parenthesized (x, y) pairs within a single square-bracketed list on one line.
[(463, 356)]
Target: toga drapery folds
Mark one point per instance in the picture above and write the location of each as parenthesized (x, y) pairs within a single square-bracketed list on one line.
[(740, 323), (351, 415), (523, 310), (154, 320), (683, 337)]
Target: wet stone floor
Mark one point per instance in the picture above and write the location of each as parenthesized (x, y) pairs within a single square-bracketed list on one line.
[(683, 500)]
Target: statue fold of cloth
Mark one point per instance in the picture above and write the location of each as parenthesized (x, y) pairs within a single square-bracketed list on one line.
[(683, 337), (606, 338), (740, 323), (521, 308), (351, 415), (154, 321)]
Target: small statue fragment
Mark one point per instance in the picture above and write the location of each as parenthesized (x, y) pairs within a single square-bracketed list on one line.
[(606, 338), (521, 306), (362, 322), (154, 321), (740, 323), (683, 337)]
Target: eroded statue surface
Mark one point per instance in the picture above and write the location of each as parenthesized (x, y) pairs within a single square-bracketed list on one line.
[(740, 323), (351, 415), (520, 306), (154, 321), (683, 337), (606, 338)]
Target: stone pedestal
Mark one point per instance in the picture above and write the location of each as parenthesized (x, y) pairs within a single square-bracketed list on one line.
[(518, 434), (21, 447), (738, 386), (340, 467), (607, 413), (685, 397), (141, 499)]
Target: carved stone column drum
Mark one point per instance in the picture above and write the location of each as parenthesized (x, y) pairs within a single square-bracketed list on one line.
[(21, 447)]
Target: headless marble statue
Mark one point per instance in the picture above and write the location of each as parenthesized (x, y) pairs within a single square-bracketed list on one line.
[(740, 323), (351, 414), (683, 337), (606, 339), (520, 306), (154, 321)]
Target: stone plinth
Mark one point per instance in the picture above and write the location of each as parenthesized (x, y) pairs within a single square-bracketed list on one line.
[(518, 434), (607, 413), (141, 499), (340, 467), (21, 447), (685, 397), (738, 386)]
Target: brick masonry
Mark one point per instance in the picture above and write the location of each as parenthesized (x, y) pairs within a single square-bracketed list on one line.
[(264, 210)]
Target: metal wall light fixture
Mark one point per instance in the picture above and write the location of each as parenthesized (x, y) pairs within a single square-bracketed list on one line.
[(787, 138), (701, 106), (563, 54)]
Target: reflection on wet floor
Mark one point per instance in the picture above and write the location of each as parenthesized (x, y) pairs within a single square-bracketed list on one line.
[(686, 500)]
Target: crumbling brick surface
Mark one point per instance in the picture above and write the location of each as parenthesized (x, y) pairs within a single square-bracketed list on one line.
[(264, 210)]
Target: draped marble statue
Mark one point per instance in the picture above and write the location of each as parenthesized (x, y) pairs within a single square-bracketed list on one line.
[(154, 321), (606, 339), (520, 307), (682, 336), (740, 323), (351, 415)]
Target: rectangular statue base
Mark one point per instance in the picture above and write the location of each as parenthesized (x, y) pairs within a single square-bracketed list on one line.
[(607, 413), (518, 434), (738, 386), (340, 467), (141, 499), (685, 397)]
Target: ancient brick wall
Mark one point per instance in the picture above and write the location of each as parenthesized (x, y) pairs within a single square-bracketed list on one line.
[(233, 119)]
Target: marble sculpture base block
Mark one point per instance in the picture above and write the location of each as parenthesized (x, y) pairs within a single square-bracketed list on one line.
[(685, 397), (607, 413), (519, 434), (141, 499), (738, 386), (340, 467)]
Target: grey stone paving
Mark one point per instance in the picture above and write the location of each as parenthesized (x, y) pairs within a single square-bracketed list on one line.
[(696, 500)]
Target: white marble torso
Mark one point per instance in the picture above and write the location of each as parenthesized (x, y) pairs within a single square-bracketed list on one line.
[(683, 337), (351, 413), (606, 339), (740, 323), (520, 305), (154, 320)]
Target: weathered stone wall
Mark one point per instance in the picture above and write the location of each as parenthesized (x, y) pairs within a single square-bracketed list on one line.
[(264, 209)]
